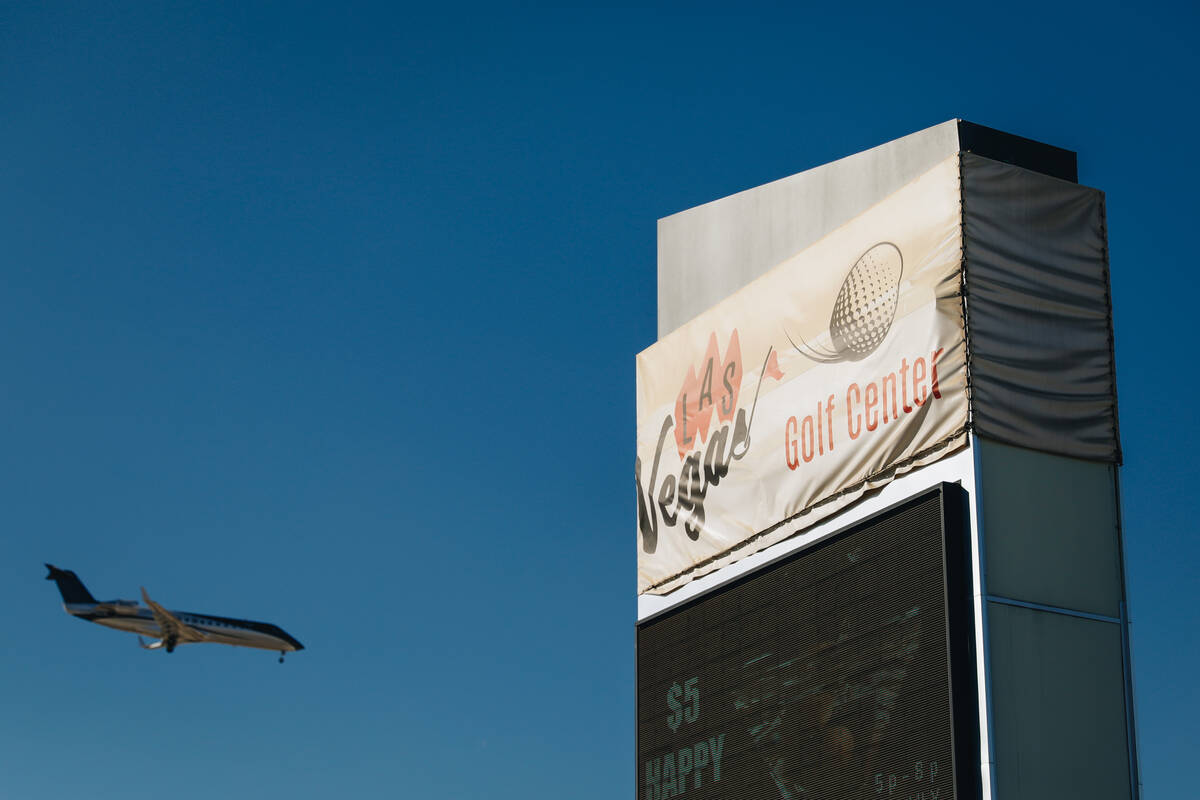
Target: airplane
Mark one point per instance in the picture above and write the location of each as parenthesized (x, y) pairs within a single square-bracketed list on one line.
[(171, 628)]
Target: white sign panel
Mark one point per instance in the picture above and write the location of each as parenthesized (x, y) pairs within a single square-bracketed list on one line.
[(828, 376)]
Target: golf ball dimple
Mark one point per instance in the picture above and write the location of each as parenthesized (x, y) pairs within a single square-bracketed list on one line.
[(866, 303)]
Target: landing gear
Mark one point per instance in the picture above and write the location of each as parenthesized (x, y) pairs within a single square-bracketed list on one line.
[(281, 654)]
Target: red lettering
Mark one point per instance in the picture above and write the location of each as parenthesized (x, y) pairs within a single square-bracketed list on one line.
[(904, 385), (884, 385), (789, 444), (919, 390), (936, 392), (851, 415), (829, 420), (820, 431), (870, 400), (806, 440)]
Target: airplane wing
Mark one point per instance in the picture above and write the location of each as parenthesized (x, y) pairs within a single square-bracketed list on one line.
[(172, 628)]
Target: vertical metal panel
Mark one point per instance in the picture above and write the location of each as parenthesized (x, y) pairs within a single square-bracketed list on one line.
[(1058, 731), (1052, 529), (979, 605)]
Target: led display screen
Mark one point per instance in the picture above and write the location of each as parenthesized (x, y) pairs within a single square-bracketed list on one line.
[(826, 675)]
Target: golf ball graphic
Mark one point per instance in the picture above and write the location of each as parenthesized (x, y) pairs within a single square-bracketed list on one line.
[(864, 309)]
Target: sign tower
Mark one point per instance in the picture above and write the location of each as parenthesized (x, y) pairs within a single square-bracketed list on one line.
[(879, 540)]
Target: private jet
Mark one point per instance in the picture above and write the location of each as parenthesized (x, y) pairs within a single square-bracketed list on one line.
[(170, 628)]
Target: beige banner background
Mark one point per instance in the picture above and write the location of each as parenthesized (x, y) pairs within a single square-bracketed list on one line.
[(771, 410)]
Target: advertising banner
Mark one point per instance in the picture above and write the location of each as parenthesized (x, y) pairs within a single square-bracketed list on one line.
[(830, 375)]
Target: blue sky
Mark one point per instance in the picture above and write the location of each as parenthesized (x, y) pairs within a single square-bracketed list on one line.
[(327, 315)]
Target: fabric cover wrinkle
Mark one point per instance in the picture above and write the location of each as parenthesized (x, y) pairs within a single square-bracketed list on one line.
[(1039, 319)]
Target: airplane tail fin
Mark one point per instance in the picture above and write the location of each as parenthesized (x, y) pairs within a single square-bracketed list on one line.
[(72, 589)]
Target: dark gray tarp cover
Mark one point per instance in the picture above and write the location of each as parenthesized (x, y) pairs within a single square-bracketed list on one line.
[(1038, 311)]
